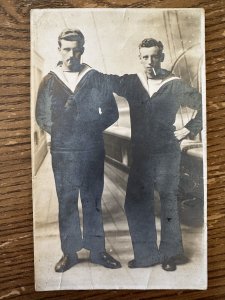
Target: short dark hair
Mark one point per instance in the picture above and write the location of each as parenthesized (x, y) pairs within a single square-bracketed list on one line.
[(147, 43), (71, 35)]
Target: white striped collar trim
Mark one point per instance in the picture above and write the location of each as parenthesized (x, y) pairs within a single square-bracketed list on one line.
[(144, 81), (59, 72)]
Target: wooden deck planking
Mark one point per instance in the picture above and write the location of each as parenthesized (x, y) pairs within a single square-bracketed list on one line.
[(118, 243)]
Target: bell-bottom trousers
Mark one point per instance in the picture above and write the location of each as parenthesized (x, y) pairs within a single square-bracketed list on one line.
[(74, 172), (161, 172)]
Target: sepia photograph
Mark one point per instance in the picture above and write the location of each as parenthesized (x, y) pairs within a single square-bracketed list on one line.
[(118, 131)]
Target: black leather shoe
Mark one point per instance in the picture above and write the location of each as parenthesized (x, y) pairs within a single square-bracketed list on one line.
[(65, 263), (169, 265), (134, 264), (105, 260)]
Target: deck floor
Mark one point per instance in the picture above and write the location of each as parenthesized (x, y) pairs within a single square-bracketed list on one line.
[(86, 275)]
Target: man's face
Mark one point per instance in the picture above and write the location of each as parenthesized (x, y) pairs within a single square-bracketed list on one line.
[(71, 52), (151, 60)]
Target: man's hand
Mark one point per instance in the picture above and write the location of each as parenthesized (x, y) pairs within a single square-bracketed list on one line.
[(181, 133)]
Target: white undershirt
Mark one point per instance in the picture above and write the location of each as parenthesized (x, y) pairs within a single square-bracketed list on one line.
[(153, 85), (71, 78)]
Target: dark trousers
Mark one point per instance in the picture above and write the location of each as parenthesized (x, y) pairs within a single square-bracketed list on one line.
[(74, 172), (161, 172)]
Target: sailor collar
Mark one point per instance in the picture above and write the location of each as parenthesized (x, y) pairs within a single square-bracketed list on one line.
[(60, 74)]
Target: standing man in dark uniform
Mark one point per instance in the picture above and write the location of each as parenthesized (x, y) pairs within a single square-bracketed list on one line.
[(75, 107), (154, 98)]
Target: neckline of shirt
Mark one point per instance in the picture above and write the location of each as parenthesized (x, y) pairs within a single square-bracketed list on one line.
[(62, 76)]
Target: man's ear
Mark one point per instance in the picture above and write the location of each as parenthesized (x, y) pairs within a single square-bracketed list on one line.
[(162, 57), (82, 50)]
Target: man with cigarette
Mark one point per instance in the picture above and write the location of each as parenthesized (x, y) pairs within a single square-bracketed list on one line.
[(154, 97), (74, 106)]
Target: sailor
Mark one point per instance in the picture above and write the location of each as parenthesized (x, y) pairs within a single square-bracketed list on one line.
[(155, 96), (75, 107)]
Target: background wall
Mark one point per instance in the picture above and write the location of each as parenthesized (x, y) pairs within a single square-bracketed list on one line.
[(16, 242), (112, 37)]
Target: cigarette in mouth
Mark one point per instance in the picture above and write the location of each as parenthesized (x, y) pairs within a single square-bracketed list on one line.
[(154, 71)]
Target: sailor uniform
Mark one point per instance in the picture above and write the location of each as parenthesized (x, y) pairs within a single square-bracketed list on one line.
[(156, 160), (75, 114)]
